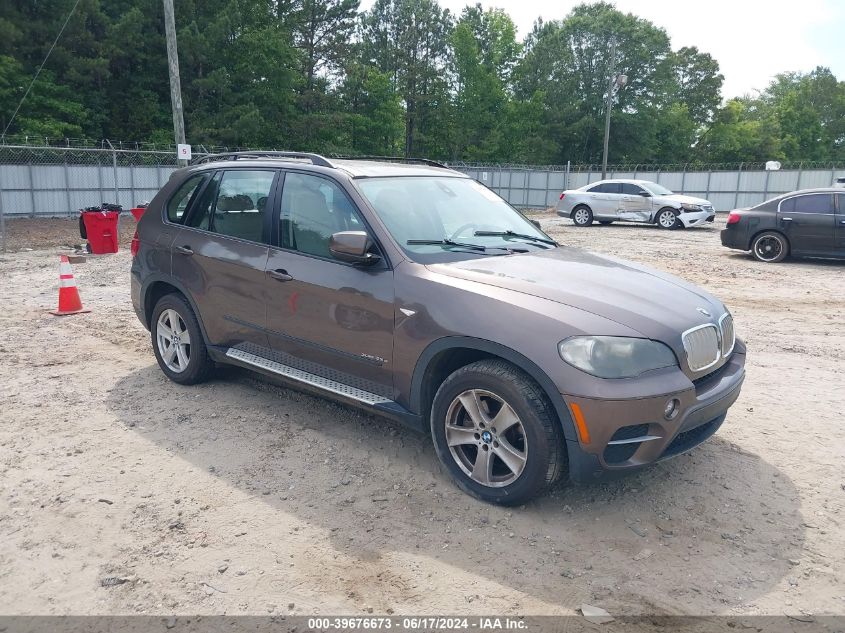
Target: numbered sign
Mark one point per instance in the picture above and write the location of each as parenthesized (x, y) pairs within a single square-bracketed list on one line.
[(183, 151)]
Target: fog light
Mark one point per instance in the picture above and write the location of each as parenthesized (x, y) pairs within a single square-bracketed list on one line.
[(670, 411)]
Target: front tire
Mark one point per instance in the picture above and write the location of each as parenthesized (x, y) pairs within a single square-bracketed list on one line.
[(178, 343), (668, 219), (770, 247), (582, 215), (496, 433)]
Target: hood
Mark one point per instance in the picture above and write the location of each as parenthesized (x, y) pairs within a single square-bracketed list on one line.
[(679, 197), (657, 305)]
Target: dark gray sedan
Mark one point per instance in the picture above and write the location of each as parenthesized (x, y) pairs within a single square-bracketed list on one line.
[(807, 223)]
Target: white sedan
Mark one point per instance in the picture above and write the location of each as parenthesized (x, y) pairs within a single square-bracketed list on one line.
[(609, 201)]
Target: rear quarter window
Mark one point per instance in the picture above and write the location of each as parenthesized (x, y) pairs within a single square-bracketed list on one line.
[(181, 200)]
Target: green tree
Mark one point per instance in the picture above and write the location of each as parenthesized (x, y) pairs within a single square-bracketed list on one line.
[(484, 50), (408, 40), (735, 136), (375, 119), (50, 110)]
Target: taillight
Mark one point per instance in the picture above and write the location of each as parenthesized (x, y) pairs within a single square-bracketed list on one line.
[(733, 217), (562, 195), (135, 245)]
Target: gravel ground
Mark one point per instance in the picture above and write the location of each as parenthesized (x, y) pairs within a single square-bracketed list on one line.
[(240, 496)]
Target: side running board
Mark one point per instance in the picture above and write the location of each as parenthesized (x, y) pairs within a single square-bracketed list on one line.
[(292, 373)]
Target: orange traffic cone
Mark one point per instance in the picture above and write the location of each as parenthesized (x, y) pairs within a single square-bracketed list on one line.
[(69, 301)]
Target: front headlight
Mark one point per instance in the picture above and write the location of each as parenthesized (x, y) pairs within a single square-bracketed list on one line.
[(691, 207), (615, 356)]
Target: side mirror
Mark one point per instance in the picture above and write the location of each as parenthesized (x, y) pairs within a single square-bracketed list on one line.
[(645, 194), (353, 247)]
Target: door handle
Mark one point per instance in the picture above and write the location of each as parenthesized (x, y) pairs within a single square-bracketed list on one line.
[(841, 221), (786, 219), (183, 250), (280, 275)]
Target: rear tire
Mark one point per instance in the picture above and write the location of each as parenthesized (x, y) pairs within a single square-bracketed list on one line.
[(667, 218), (770, 247), (507, 465), (582, 215), (178, 343)]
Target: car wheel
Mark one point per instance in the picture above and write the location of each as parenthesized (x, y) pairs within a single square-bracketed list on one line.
[(582, 216), (605, 222), (668, 219), (178, 343), (496, 433), (770, 247)]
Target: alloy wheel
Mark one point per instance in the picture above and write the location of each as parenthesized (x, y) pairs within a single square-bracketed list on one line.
[(486, 438), (768, 248), (174, 341), (666, 219), (582, 216)]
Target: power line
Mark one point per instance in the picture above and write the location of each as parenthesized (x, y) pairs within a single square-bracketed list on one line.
[(38, 72)]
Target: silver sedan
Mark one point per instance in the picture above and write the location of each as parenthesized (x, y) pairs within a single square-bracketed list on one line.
[(609, 201)]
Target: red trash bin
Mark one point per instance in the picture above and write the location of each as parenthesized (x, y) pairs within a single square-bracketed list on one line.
[(137, 212), (101, 227)]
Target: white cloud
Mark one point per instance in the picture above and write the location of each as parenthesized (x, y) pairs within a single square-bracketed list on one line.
[(751, 39)]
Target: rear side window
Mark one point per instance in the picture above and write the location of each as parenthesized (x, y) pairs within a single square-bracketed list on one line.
[(182, 198), (235, 203), (816, 203), (631, 190), (607, 187)]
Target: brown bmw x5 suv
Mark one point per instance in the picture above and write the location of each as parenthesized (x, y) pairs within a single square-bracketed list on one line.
[(417, 293)]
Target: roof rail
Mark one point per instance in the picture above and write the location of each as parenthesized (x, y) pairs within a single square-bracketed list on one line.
[(394, 159), (315, 159)]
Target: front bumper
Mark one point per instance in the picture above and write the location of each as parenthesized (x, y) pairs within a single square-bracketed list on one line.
[(696, 218), (629, 434)]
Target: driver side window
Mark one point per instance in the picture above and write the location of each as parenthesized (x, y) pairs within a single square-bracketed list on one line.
[(314, 208)]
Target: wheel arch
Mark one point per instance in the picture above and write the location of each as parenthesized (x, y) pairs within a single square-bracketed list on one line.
[(665, 207), (446, 355), (158, 286)]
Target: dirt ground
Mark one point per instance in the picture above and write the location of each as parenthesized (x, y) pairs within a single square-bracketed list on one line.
[(241, 496)]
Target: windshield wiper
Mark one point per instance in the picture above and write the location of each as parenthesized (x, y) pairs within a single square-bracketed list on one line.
[(473, 247), (509, 233), (447, 242)]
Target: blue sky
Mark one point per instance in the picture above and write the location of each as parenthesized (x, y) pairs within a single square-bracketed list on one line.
[(751, 39)]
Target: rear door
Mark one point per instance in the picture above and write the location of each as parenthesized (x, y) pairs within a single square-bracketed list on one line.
[(325, 316), (809, 222), (606, 198), (221, 251), (636, 206)]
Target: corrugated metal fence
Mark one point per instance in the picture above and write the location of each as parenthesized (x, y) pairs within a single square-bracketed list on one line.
[(56, 181), (41, 181), (742, 186)]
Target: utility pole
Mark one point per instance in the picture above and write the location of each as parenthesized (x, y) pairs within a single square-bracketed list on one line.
[(610, 85), (173, 67)]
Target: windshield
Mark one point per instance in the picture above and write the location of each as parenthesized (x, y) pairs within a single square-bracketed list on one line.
[(657, 190), (422, 208)]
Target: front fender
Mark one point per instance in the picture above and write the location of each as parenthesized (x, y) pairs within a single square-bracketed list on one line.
[(496, 349)]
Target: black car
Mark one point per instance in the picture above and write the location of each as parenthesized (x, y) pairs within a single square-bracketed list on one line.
[(807, 223)]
